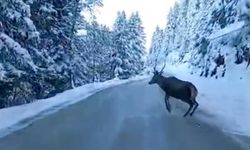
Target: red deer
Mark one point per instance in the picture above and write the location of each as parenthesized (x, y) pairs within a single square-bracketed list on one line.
[(174, 87)]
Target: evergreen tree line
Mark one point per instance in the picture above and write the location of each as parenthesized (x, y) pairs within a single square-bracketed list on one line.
[(190, 36), (48, 46)]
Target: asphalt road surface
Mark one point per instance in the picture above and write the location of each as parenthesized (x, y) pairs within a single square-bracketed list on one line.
[(126, 117)]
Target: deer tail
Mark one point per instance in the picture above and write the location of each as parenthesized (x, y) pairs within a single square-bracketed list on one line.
[(193, 91)]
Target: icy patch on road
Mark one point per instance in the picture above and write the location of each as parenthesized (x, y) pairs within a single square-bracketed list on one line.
[(17, 117)]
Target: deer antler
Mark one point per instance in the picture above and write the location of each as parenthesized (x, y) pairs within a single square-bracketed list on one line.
[(155, 65), (163, 68)]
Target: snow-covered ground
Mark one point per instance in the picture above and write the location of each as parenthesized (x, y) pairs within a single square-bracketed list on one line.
[(226, 101), (17, 117)]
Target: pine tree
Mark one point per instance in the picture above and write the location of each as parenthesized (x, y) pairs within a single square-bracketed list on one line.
[(190, 35), (129, 38), (121, 40), (58, 23), (38, 48), (17, 33), (155, 51), (96, 49), (19, 56), (136, 43)]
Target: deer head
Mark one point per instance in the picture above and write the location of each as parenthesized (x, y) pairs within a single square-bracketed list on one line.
[(157, 75)]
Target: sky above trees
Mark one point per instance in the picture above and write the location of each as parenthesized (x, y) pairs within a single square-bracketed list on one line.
[(153, 13)]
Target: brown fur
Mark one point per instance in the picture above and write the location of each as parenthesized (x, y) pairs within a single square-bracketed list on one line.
[(174, 87)]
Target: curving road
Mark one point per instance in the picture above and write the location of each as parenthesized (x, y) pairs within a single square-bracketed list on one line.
[(126, 117)]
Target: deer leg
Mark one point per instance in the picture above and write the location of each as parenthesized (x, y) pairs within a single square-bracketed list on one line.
[(190, 108), (168, 106), (195, 107)]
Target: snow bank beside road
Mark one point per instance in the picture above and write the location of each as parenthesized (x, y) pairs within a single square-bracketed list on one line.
[(17, 117)]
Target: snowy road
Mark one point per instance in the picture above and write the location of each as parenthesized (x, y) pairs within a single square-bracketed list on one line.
[(126, 117)]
